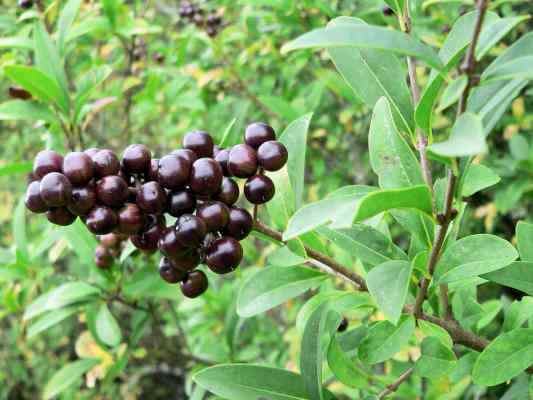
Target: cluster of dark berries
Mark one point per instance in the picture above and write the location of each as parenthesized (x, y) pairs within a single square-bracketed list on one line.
[(25, 4), (211, 22), (130, 198)]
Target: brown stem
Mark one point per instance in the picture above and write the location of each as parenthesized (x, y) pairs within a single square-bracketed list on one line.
[(396, 384)]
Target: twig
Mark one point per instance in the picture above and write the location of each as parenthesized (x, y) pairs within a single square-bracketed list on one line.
[(396, 384)]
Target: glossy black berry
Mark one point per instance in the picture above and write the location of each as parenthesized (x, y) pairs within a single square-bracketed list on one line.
[(211, 31), (131, 220), (152, 198), (343, 325), (187, 154), (222, 157), (101, 220), (200, 142), (272, 155), (214, 19), (187, 261), (173, 172), (105, 163), (111, 240), (112, 191), (33, 199), (17, 92), (60, 216), (169, 272), (387, 11), (259, 189), (242, 161), (148, 239), (206, 176), (224, 255), (82, 200), (92, 151), (25, 4), (258, 133), (153, 172), (229, 192), (103, 257), (181, 202), (240, 223), (169, 244), (215, 214), (55, 189), (136, 158), (190, 230), (194, 285), (47, 161), (78, 168)]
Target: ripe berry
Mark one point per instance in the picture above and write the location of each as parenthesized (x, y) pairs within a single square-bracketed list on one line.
[(258, 133), (187, 261), (101, 220), (211, 31), (229, 192), (169, 244), (181, 202), (214, 19), (200, 142), (169, 272), (387, 11), (187, 154), (147, 240), (110, 241), (19, 93), (190, 230), (215, 215), (112, 191), (82, 200), (240, 223), (92, 151), (242, 161), (173, 172), (78, 168), (136, 158), (33, 199), (103, 257), (152, 198), (222, 157), (25, 4), (153, 172), (47, 161), (60, 216), (272, 155), (55, 189), (105, 163), (206, 176), (224, 255), (131, 219), (343, 325), (194, 285), (259, 189)]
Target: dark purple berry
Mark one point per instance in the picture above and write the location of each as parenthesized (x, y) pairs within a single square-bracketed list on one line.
[(200, 142), (343, 325), (25, 4), (153, 172), (55, 189), (131, 220), (181, 202), (101, 220), (190, 230), (240, 223), (105, 163), (152, 198), (169, 244), (194, 285), (103, 257), (242, 161), (258, 133), (82, 200), (215, 215), (272, 155), (33, 199), (169, 272), (186, 154), (112, 191), (17, 92), (187, 261), (60, 216), (136, 158), (111, 240), (78, 168), (173, 172), (222, 158), (206, 176), (224, 255), (387, 11), (92, 151), (148, 239), (47, 161), (229, 192), (259, 189)]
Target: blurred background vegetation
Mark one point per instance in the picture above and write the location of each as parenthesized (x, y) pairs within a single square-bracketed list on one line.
[(167, 76)]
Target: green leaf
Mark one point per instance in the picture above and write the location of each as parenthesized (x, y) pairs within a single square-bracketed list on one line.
[(385, 339), (473, 256), (317, 335), (396, 5), (64, 295), (436, 360), (227, 138), (248, 381), (372, 75), (336, 210), (388, 284), (416, 197), (518, 275), (517, 313), (491, 309), (433, 330), (514, 69), (86, 86), (466, 139), (15, 43), (50, 319), (272, 286), (524, 238), (25, 110), (107, 327), (39, 84), (494, 31), (19, 230), (477, 178), (364, 242), (67, 376), (16, 168), (452, 93), (66, 19), (82, 242), (345, 369), (111, 11), (365, 37), (504, 358)]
